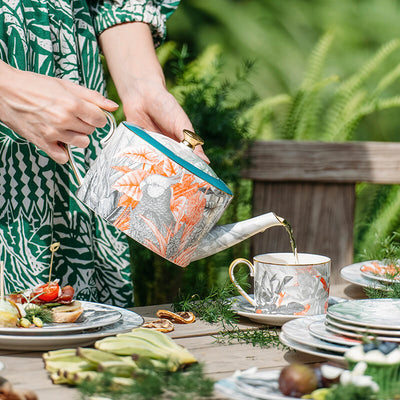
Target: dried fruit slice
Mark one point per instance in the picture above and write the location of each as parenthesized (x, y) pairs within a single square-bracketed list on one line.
[(162, 325), (182, 317)]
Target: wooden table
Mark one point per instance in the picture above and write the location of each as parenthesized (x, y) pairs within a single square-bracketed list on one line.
[(25, 370)]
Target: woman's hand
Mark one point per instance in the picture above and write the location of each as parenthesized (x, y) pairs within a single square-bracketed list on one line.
[(49, 111), (140, 82)]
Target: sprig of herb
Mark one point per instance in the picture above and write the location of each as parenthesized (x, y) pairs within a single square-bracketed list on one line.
[(388, 250), (216, 307), (41, 312), (263, 337), (390, 291), (351, 392)]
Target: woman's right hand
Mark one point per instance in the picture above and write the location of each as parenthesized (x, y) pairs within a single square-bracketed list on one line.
[(49, 111)]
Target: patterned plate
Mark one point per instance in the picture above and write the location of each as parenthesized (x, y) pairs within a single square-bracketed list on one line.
[(360, 336), (374, 313), (380, 272), (351, 273), (127, 322), (361, 329), (318, 330), (297, 330)]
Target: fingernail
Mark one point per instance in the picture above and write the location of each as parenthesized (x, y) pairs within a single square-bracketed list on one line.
[(111, 103)]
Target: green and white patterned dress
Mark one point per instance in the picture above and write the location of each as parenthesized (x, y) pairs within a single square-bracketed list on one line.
[(37, 202)]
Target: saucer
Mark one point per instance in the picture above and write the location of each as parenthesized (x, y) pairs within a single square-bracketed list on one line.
[(243, 308)]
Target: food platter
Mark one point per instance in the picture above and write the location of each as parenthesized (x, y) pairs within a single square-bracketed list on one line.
[(94, 316), (128, 320), (352, 273), (380, 272)]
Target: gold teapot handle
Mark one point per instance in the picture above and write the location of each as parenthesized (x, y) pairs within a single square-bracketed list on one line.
[(103, 142)]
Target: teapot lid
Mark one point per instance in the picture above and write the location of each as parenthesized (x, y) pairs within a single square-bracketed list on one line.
[(186, 158)]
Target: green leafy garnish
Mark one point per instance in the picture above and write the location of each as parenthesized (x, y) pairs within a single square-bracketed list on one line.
[(39, 312)]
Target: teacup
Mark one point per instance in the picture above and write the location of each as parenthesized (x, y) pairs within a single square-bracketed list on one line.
[(284, 286)]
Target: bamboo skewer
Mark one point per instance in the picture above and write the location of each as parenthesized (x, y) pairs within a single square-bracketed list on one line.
[(53, 248)]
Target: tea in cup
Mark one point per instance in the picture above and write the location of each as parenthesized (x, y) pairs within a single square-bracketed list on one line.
[(284, 286)]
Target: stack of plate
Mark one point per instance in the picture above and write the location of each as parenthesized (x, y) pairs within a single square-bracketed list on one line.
[(345, 325), (97, 321), (371, 273)]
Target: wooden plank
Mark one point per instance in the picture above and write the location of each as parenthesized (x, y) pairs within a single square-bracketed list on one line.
[(375, 162), (320, 214)]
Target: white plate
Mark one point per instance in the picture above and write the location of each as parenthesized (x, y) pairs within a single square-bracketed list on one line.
[(356, 328), (318, 330), (128, 321), (245, 386), (243, 308), (297, 330), (374, 313), (310, 349), (377, 270), (94, 316), (351, 273)]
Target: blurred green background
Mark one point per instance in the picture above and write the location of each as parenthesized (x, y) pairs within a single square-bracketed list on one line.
[(269, 69)]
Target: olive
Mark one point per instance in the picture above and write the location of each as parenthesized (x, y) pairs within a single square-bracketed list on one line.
[(296, 380)]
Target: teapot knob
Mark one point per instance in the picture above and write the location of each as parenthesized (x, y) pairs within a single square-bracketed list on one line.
[(191, 139)]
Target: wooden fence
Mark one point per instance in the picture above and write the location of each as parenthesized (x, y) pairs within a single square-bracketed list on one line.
[(312, 186)]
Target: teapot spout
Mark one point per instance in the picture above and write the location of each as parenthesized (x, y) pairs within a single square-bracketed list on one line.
[(224, 236)]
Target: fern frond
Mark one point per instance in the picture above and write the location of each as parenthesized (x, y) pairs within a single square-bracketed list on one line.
[(303, 115), (316, 60), (259, 116), (357, 79), (384, 222), (346, 90), (387, 80)]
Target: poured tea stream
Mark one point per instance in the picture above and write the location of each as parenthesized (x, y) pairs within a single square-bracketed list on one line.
[(289, 230)]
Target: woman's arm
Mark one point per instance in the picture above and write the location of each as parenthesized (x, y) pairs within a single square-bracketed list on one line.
[(139, 79), (47, 111)]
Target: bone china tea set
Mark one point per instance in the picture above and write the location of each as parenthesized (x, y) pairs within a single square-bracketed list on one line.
[(161, 194)]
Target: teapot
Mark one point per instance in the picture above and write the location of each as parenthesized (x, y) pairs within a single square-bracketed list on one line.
[(161, 194)]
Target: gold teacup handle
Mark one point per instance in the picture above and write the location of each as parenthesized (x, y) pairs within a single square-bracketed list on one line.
[(103, 142), (232, 276)]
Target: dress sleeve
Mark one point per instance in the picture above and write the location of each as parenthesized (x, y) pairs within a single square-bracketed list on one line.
[(108, 13)]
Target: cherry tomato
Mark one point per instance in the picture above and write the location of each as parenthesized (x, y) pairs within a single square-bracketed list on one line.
[(47, 292)]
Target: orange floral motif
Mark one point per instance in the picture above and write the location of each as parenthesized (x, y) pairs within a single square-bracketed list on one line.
[(142, 155), (187, 202)]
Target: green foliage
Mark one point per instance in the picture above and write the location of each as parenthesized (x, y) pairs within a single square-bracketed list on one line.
[(351, 392), (316, 113), (180, 385)]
